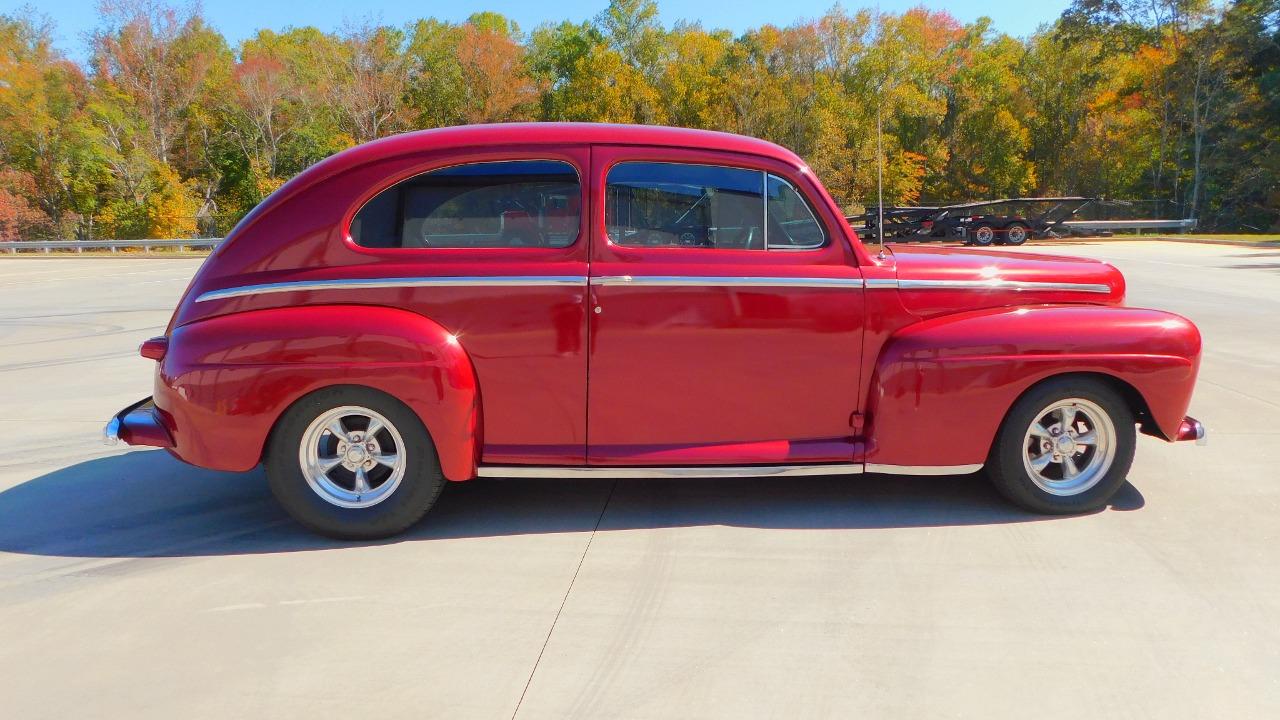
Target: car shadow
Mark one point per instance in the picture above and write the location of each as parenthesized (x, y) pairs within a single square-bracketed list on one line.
[(147, 504)]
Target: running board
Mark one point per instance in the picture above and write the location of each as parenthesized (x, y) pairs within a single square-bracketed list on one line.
[(715, 471)]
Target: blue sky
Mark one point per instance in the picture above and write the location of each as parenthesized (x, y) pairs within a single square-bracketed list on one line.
[(238, 19)]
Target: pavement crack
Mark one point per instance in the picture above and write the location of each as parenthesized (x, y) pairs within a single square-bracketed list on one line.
[(547, 640), (1240, 392)]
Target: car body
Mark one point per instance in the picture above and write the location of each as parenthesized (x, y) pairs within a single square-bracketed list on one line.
[(544, 301)]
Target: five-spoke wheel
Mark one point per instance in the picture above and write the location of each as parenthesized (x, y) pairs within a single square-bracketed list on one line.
[(350, 456), (1069, 447)]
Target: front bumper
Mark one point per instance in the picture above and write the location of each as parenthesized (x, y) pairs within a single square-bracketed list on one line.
[(1191, 429), (137, 424)]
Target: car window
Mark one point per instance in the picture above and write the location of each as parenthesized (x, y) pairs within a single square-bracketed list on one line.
[(518, 203), (791, 222), (650, 204)]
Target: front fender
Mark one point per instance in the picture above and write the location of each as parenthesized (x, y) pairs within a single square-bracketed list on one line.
[(225, 381), (941, 387)]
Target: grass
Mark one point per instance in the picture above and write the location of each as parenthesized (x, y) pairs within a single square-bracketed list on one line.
[(1230, 236), (119, 255)]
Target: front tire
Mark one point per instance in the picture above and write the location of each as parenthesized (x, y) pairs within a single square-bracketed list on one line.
[(1064, 448), (353, 463)]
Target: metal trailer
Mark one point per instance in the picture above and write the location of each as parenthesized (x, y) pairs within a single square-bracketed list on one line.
[(978, 223)]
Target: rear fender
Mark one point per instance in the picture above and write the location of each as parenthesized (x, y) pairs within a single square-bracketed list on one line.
[(942, 387), (226, 380)]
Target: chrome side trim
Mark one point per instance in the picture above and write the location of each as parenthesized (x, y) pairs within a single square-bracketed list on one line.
[(405, 282), (727, 281), (923, 469), (999, 284), (642, 281), (715, 471), (992, 284), (709, 471)]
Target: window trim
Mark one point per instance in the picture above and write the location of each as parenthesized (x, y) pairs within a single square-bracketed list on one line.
[(583, 190), (826, 237), (764, 198)]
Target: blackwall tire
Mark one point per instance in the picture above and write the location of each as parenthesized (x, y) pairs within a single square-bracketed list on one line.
[(375, 486), (982, 235), (1016, 234), (1095, 456)]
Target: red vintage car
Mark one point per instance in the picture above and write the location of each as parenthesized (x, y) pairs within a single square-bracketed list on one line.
[(558, 300)]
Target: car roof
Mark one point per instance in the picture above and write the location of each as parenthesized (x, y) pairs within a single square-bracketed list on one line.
[(552, 133), (525, 135)]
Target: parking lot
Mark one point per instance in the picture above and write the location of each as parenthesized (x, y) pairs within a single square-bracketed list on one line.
[(132, 585)]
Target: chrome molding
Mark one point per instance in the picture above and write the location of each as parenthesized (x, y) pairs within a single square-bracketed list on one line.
[(1000, 284), (922, 469), (405, 282), (642, 281), (715, 471), (708, 471), (726, 281)]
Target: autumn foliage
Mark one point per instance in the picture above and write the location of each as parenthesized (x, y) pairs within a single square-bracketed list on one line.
[(166, 130)]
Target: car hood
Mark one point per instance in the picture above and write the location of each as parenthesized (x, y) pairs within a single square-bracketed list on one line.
[(939, 280)]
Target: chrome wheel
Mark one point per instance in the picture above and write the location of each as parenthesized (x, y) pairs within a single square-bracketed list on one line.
[(1069, 447), (352, 457), (1017, 235), (984, 235)]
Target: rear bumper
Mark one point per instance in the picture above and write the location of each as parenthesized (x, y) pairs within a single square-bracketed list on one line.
[(137, 424), (1191, 429)]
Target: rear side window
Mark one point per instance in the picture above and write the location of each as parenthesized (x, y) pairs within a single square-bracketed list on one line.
[(518, 203), (677, 205)]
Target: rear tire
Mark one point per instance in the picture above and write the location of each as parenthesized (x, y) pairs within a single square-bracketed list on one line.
[(1050, 466), (337, 481), (982, 235), (1016, 234)]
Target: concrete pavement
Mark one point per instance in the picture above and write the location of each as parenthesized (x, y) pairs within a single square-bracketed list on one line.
[(134, 586)]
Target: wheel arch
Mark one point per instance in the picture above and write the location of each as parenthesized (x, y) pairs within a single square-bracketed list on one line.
[(1128, 393), (280, 414)]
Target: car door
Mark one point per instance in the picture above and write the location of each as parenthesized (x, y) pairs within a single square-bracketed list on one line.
[(723, 328), (506, 229)]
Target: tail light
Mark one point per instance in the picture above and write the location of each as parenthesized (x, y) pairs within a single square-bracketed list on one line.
[(154, 348)]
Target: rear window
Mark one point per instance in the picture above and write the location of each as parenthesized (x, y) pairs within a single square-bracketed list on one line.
[(517, 203)]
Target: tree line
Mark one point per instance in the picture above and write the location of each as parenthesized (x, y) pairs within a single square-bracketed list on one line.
[(169, 131)]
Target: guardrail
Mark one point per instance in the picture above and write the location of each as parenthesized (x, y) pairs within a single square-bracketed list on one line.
[(1188, 224), (14, 246)]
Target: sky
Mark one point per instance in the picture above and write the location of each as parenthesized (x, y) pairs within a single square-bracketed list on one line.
[(238, 19)]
